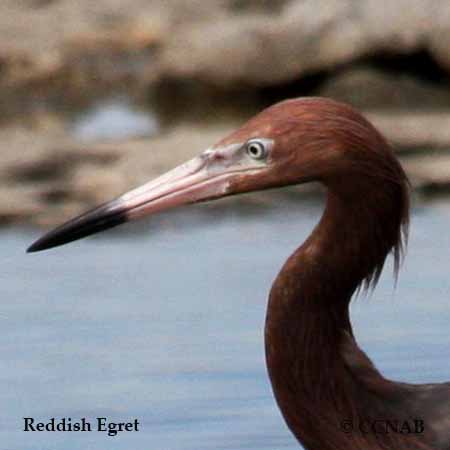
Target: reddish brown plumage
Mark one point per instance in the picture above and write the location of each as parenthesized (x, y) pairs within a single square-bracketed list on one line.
[(319, 375)]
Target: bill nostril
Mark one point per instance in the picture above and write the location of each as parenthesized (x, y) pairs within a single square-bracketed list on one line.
[(217, 156)]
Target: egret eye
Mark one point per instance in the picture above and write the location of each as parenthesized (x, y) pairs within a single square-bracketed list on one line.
[(256, 149)]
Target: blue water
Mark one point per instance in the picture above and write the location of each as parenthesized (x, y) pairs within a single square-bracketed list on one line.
[(162, 321), (113, 119)]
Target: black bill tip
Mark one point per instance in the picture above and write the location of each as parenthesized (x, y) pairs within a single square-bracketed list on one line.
[(93, 221)]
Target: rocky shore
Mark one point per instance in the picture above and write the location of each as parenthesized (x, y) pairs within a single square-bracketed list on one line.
[(199, 69)]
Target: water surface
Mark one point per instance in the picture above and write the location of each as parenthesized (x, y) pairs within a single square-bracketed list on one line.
[(112, 119), (163, 321)]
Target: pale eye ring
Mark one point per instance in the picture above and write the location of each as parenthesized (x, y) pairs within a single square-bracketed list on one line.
[(256, 149)]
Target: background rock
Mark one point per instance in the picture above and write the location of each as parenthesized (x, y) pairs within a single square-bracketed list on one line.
[(219, 42), (198, 69), (414, 131), (369, 88)]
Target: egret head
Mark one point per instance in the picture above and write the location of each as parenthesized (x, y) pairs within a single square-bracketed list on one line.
[(292, 142)]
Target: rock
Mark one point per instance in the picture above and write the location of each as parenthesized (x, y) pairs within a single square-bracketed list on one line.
[(18, 204), (57, 56), (430, 173), (66, 52), (367, 88), (420, 131), (305, 36), (47, 177), (61, 44), (439, 38), (36, 169)]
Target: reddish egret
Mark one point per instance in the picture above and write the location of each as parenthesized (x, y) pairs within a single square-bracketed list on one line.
[(331, 395)]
